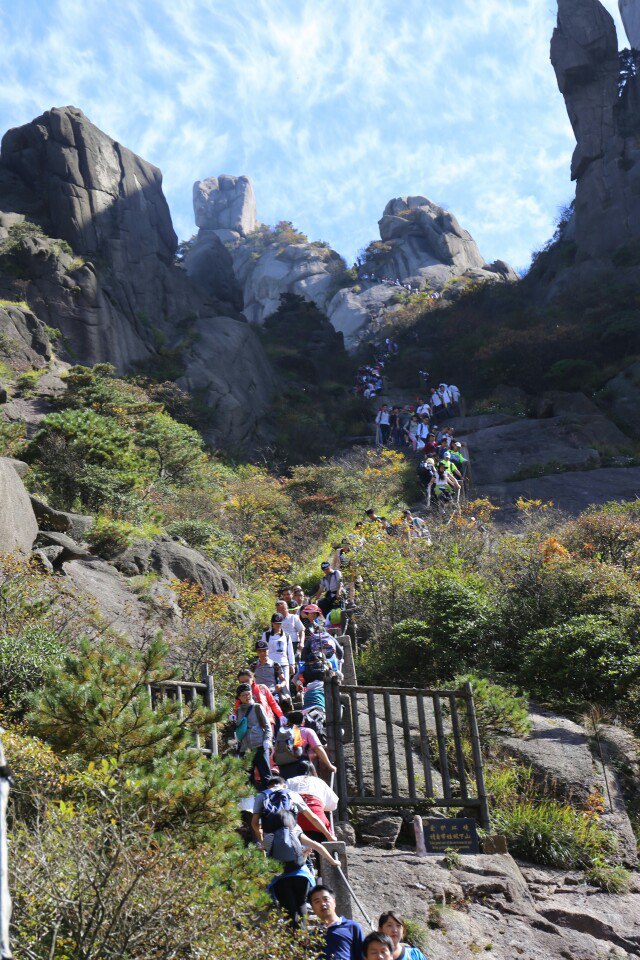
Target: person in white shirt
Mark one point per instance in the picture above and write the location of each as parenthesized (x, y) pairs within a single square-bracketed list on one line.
[(383, 422), (416, 527), (291, 624), (424, 410), (280, 646), (436, 400)]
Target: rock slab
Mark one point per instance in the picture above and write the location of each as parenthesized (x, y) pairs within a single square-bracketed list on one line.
[(18, 525)]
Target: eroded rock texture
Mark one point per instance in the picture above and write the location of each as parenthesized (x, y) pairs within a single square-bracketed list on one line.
[(116, 292)]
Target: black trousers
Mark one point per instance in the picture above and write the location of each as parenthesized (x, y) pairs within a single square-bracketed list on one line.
[(291, 893)]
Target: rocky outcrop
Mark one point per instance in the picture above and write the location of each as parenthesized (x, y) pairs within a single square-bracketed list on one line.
[(604, 110), (630, 13), (225, 204), (102, 267), (489, 905), (234, 254), (18, 526), (425, 244), (174, 560)]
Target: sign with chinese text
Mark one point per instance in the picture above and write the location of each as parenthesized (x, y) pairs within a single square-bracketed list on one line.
[(453, 833)]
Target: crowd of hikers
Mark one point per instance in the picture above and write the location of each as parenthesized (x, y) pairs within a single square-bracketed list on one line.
[(279, 718), (396, 282), (279, 725)]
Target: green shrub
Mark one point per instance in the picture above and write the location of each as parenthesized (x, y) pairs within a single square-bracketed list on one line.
[(28, 380), (499, 710), (110, 537), (416, 934), (612, 878), (197, 533), (24, 661), (586, 659), (572, 374)]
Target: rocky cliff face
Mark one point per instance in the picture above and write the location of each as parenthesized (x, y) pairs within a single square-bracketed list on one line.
[(234, 254), (604, 108), (114, 290)]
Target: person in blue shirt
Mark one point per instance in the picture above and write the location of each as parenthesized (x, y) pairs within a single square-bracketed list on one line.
[(392, 924), (343, 938)]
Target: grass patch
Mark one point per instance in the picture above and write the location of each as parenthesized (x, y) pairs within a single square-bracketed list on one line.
[(544, 830), (20, 304)]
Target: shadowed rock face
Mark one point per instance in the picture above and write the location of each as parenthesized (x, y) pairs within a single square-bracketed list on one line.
[(630, 13), (584, 53), (124, 294)]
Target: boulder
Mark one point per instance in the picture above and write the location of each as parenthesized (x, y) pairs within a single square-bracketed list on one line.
[(500, 453), (174, 560), (28, 343), (559, 752), (70, 549), (21, 468), (225, 203), (572, 491), (75, 524), (380, 830), (622, 394), (18, 525)]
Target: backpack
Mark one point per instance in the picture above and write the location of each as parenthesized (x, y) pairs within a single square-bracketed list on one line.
[(315, 668), (242, 726), (277, 811), (315, 720), (286, 847), (286, 750)]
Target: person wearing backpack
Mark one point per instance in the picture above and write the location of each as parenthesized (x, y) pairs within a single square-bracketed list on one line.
[(318, 796), (288, 752), (279, 646), (312, 748), (274, 825), (253, 732)]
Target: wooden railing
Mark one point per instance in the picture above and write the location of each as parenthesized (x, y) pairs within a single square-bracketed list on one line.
[(399, 758), (190, 693)]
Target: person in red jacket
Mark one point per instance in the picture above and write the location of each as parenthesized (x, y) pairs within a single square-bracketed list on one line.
[(262, 695)]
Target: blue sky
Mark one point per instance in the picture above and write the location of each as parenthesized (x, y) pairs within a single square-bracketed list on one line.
[(332, 107)]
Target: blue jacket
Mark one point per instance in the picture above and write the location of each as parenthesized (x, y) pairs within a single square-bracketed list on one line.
[(343, 940)]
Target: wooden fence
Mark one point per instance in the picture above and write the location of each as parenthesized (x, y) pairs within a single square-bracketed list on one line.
[(403, 747), (190, 693)]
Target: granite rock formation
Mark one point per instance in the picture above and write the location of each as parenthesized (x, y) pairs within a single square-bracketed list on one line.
[(630, 13), (234, 254), (102, 269), (604, 109)]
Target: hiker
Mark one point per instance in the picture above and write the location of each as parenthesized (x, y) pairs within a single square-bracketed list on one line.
[(253, 732), (343, 939), (268, 673), (443, 485), (318, 796), (262, 695), (396, 429), (427, 471), (299, 598), (377, 946), (331, 586), (312, 750), (274, 825), (392, 924), (291, 625), (384, 425), (416, 527), (279, 646)]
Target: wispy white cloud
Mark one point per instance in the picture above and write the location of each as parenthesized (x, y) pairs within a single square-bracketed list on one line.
[(332, 108)]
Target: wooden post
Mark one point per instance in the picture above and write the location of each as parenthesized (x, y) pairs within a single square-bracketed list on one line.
[(375, 755), (331, 877), (477, 756), (357, 746), (336, 709), (424, 748), (210, 703), (408, 751), (349, 665), (390, 744), (455, 726), (442, 747)]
